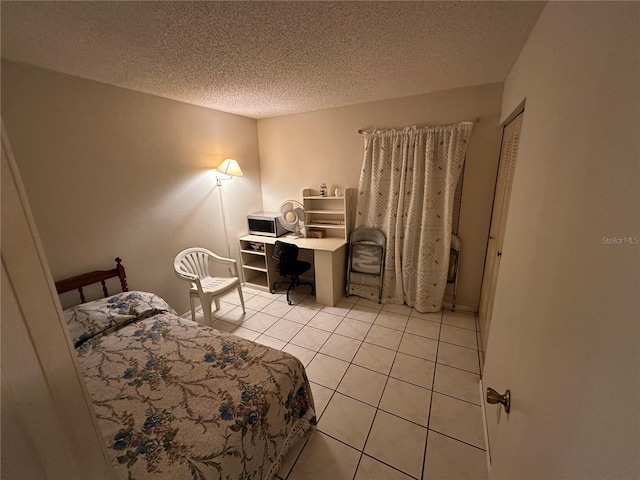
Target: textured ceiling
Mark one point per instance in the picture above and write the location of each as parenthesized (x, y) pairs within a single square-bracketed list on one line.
[(263, 59)]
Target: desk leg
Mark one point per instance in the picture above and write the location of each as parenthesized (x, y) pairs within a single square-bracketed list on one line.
[(330, 270)]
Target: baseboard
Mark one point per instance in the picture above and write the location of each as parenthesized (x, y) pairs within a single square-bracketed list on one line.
[(462, 308), (484, 425)]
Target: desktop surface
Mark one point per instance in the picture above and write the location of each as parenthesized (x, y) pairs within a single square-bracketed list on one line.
[(323, 244)]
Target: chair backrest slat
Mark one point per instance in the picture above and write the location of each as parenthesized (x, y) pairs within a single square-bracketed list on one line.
[(196, 263)]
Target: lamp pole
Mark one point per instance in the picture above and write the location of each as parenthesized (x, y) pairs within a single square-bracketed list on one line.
[(230, 168), (224, 219)]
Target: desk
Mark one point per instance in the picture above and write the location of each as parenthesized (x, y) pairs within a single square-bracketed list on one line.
[(329, 264)]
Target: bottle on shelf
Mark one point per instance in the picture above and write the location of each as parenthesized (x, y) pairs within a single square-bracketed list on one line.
[(323, 190)]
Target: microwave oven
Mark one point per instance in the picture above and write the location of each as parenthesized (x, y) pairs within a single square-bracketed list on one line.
[(265, 223)]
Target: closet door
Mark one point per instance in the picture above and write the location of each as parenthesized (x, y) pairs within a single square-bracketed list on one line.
[(508, 154), (49, 428)]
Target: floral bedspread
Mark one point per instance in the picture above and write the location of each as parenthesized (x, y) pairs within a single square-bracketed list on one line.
[(179, 400)]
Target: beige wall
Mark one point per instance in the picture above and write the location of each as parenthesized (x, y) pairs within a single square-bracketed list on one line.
[(110, 172), (302, 151), (566, 327)]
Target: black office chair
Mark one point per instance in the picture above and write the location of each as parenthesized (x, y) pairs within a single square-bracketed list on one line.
[(289, 266)]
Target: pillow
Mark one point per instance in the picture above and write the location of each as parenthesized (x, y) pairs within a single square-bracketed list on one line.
[(89, 319)]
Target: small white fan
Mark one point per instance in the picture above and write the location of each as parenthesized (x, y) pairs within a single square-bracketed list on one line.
[(292, 217)]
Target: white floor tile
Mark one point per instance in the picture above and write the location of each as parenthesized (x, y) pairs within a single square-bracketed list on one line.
[(300, 314), (303, 354), (422, 327), (352, 299), (452, 460), (271, 342), (457, 383), (277, 309), (396, 308), (384, 337), (224, 326), (413, 370), (392, 320), (297, 296), (398, 443), (325, 458), (311, 338), (341, 347), (245, 333), (371, 469), (407, 401), (458, 336), (457, 419), (375, 358), (340, 309), (399, 342), (269, 295), (237, 316), (459, 319), (363, 384), (310, 302), (260, 322), (232, 297), (347, 420), (225, 308), (327, 371), (250, 292), (325, 321), (418, 346), (284, 330), (460, 357), (321, 397), (353, 328), (431, 316), (364, 314), (365, 302), (258, 302)]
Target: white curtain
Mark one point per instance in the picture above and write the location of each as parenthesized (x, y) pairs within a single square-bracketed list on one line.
[(407, 187)]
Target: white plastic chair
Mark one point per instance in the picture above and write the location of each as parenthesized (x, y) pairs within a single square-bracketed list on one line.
[(192, 265)]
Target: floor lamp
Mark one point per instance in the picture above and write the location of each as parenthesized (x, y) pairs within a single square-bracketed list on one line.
[(229, 168)]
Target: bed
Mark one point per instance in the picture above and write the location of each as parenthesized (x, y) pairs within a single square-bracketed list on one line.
[(176, 399)]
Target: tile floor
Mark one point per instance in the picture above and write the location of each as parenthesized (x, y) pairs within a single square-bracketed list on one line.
[(396, 391)]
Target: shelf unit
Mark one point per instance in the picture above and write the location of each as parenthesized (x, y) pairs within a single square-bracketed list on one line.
[(254, 264), (330, 209)]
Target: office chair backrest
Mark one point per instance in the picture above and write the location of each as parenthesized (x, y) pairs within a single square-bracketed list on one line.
[(286, 254)]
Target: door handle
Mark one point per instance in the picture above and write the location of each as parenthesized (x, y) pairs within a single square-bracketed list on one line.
[(499, 254), (495, 397)]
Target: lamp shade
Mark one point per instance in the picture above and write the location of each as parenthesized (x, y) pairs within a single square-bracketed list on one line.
[(230, 167)]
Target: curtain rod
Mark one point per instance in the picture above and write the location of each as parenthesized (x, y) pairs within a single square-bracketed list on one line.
[(475, 120)]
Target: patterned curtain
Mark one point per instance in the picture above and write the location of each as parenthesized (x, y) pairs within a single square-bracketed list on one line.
[(406, 189)]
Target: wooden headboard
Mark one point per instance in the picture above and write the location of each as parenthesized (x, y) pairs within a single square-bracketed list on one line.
[(79, 281)]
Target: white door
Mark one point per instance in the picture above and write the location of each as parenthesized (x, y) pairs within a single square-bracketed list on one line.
[(508, 154), (49, 427)]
